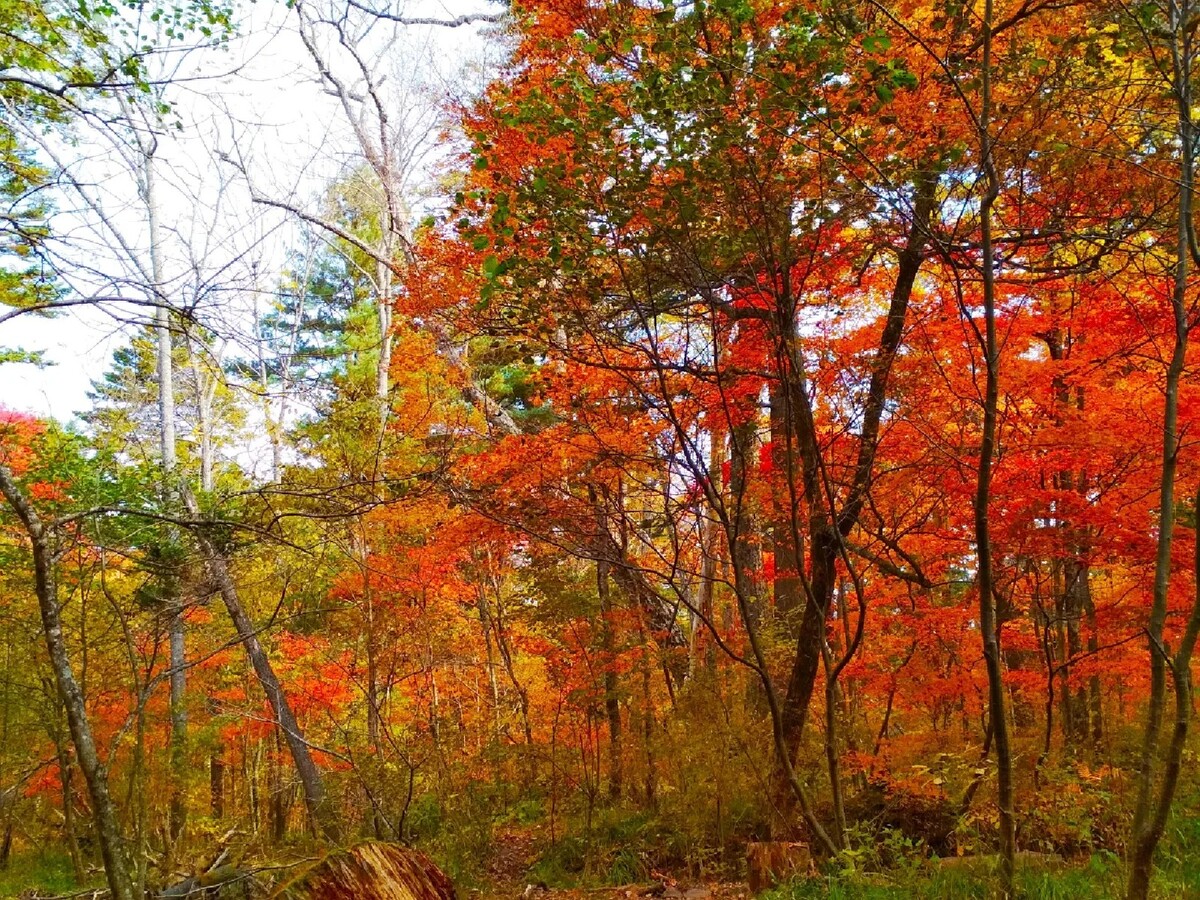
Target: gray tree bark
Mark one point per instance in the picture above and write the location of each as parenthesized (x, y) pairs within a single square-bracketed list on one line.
[(317, 801), (108, 830)]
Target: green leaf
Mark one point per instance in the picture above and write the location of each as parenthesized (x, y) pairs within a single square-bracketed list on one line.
[(877, 43), (28, 357)]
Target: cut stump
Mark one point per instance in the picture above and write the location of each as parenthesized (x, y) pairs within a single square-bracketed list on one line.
[(371, 871), (769, 863)]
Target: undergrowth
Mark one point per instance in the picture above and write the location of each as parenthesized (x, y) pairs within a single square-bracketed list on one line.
[(46, 871)]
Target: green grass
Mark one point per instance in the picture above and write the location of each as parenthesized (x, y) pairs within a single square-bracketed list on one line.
[(1099, 878), (48, 872)]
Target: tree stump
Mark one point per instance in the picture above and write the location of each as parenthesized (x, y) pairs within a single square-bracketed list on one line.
[(371, 871), (220, 883), (769, 863)]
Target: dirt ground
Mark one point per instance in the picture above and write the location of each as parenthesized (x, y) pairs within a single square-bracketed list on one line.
[(515, 851)]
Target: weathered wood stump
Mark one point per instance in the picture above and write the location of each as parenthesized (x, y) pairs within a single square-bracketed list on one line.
[(219, 883), (769, 863), (371, 871)]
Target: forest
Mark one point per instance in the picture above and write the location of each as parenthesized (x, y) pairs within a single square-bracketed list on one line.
[(628, 446)]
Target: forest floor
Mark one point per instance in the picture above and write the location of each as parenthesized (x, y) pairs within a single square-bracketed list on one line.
[(1094, 878), (513, 867), (511, 873), (514, 855), (671, 891)]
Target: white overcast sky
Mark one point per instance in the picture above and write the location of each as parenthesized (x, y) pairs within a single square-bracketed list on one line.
[(263, 88)]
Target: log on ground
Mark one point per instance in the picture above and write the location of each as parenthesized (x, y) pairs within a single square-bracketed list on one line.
[(371, 871)]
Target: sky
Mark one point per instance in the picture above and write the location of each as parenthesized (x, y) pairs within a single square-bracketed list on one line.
[(259, 101)]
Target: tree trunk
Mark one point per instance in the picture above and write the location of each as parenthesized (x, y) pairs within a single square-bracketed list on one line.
[(216, 774), (68, 802), (485, 627), (832, 760), (1155, 823), (1077, 574), (1150, 814), (702, 616), (1074, 596), (108, 829), (166, 419), (276, 809), (786, 538), (374, 723), (826, 527), (1094, 699), (500, 630), (648, 731), (988, 620), (807, 659), (320, 808), (747, 548), (612, 702)]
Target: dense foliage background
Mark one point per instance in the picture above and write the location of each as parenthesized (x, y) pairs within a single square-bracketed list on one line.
[(731, 421)]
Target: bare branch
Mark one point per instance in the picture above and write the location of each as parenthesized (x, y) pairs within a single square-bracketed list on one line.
[(456, 22)]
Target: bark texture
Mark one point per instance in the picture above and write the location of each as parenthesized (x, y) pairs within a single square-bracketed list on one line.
[(108, 830), (372, 871)]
